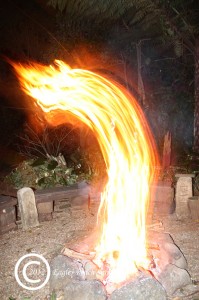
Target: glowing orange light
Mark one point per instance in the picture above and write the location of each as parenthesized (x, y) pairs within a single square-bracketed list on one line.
[(127, 147)]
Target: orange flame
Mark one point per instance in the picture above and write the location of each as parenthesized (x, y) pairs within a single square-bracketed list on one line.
[(127, 147)]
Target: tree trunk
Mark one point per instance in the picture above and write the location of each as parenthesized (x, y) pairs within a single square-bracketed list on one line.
[(141, 91), (196, 114)]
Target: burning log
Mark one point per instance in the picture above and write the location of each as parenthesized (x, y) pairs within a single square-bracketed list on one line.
[(76, 255)]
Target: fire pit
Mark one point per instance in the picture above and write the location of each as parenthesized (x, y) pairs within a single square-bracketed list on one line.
[(75, 273), (124, 258)]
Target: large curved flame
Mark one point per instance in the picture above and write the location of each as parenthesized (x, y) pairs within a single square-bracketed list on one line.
[(127, 147)]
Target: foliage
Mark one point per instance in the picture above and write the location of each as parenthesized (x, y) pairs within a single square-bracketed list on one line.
[(107, 10), (40, 173), (78, 16), (53, 296), (173, 23), (187, 164), (190, 162), (54, 157)]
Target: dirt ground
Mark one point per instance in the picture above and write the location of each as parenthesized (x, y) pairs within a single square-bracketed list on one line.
[(48, 239)]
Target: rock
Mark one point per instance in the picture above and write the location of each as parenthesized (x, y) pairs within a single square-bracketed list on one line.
[(79, 201), (27, 207), (142, 288), (168, 252), (181, 263), (85, 290), (45, 207), (7, 214), (91, 270), (193, 204), (45, 210), (171, 254), (176, 256), (172, 250), (162, 202), (161, 259), (172, 278), (62, 205), (184, 190), (63, 270), (155, 237)]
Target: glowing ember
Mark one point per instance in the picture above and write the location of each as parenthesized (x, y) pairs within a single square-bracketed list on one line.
[(127, 147)]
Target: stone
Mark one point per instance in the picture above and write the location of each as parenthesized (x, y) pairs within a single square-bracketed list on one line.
[(178, 175), (63, 270), (172, 278), (161, 259), (45, 207), (79, 201), (172, 250), (85, 244), (85, 290), (181, 262), (45, 210), (91, 270), (142, 288), (7, 228), (27, 207), (193, 204), (168, 253), (184, 190), (155, 237), (7, 214), (176, 256), (162, 199), (61, 205)]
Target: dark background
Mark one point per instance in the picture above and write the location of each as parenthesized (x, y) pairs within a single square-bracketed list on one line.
[(32, 30)]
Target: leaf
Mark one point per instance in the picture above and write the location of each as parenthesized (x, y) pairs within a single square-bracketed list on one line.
[(52, 165), (64, 182), (38, 162), (68, 171), (53, 296), (41, 181)]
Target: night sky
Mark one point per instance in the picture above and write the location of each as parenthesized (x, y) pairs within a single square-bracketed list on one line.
[(24, 27)]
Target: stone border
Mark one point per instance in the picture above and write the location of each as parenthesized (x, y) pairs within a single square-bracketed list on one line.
[(44, 200)]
